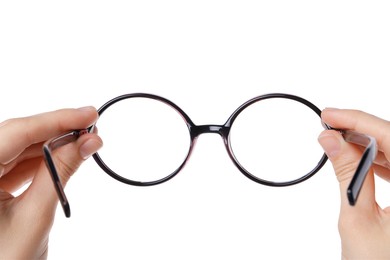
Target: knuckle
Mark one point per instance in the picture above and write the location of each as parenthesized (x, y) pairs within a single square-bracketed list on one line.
[(66, 169), (345, 170)]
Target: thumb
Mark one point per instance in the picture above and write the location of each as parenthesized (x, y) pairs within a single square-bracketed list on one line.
[(41, 194), (345, 158)]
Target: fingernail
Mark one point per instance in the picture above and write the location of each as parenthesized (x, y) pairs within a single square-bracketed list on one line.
[(87, 108), (90, 147), (330, 144)]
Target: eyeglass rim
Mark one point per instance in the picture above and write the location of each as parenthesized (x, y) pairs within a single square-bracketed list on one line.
[(118, 177), (194, 133), (353, 191), (254, 178)]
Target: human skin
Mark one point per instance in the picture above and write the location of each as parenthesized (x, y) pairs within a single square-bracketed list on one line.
[(364, 228), (26, 220)]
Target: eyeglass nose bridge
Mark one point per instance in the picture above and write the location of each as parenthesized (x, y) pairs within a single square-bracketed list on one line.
[(197, 130)]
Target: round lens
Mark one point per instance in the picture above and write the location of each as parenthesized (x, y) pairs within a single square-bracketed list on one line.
[(275, 139), (145, 140)]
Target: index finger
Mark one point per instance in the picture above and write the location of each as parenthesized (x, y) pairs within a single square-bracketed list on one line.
[(19, 133), (361, 122)]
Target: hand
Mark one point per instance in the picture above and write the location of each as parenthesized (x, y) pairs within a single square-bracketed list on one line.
[(26, 220), (364, 228)]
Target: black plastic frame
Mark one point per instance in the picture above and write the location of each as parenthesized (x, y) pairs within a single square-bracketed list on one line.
[(368, 158), (196, 130), (48, 148), (223, 130)]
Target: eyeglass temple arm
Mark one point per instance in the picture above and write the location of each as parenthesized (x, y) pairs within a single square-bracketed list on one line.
[(368, 158), (48, 147), (353, 190), (364, 165)]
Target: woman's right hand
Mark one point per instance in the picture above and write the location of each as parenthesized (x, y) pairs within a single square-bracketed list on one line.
[(364, 228)]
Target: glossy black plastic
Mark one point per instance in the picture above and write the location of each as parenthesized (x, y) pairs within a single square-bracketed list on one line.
[(48, 147), (365, 163), (195, 131), (222, 130)]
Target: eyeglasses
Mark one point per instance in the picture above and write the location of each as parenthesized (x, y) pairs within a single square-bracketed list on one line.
[(271, 139)]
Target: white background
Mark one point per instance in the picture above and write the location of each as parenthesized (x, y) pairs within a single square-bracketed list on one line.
[(208, 57)]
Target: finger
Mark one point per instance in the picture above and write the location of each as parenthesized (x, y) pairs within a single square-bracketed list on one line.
[(20, 133), (33, 151), (361, 122), (20, 175), (381, 164), (67, 158), (345, 158), (5, 196), (382, 172), (380, 158), (20, 171)]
